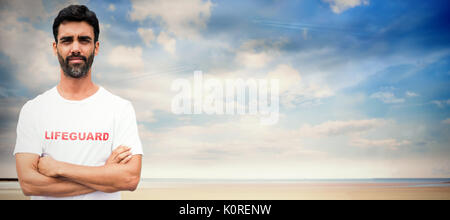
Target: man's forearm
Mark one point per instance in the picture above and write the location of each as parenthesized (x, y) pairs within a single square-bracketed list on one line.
[(34, 183), (107, 178), (37, 184), (95, 187)]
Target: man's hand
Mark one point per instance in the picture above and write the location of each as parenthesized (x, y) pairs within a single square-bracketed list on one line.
[(121, 171), (48, 166), (120, 155)]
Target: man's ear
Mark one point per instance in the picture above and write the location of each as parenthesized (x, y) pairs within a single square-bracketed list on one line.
[(55, 49), (97, 47)]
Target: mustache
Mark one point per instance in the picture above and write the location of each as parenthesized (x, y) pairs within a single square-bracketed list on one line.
[(76, 56)]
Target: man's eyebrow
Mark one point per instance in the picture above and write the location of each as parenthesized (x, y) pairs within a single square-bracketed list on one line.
[(66, 38), (84, 38)]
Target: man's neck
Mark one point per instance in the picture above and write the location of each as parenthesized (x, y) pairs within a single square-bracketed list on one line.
[(76, 89)]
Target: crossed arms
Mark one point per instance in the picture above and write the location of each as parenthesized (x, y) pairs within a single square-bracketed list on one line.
[(44, 176)]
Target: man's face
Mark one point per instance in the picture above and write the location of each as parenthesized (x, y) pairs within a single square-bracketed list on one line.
[(75, 48)]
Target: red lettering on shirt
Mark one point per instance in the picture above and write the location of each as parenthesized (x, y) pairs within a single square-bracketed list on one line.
[(82, 138), (64, 136), (73, 136), (105, 136), (76, 136), (90, 137)]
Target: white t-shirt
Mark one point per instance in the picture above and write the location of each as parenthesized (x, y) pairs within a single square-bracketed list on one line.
[(79, 132)]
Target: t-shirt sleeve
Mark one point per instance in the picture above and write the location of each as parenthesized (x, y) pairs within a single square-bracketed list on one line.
[(27, 140), (126, 130)]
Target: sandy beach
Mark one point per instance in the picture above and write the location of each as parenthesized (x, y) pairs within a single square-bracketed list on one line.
[(275, 191), (289, 192)]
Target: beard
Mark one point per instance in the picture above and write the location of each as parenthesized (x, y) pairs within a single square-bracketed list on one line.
[(77, 70)]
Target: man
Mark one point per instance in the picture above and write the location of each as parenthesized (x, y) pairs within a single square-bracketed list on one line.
[(77, 140)]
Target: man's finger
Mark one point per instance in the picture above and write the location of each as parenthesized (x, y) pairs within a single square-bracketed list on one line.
[(114, 157), (119, 151), (123, 155), (124, 161), (116, 151)]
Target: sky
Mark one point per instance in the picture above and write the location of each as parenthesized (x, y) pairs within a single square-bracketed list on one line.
[(364, 85)]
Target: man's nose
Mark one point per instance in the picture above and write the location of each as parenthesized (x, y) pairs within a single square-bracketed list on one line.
[(75, 47)]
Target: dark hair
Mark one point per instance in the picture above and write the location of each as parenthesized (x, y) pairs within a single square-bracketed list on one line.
[(76, 13)]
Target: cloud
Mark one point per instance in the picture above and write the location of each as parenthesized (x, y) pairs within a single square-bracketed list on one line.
[(181, 18), (387, 97), (307, 94), (178, 19), (33, 10), (265, 56), (257, 53), (307, 86), (247, 144), (147, 36), (126, 57), (307, 28), (295, 91), (389, 143), (441, 103), (57, 5), (339, 6), (111, 7), (336, 128), (148, 91), (446, 121), (411, 94), (9, 110), (245, 138), (145, 116), (288, 76), (34, 64), (253, 59), (168, 43), (305, 34), (9, 114)]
